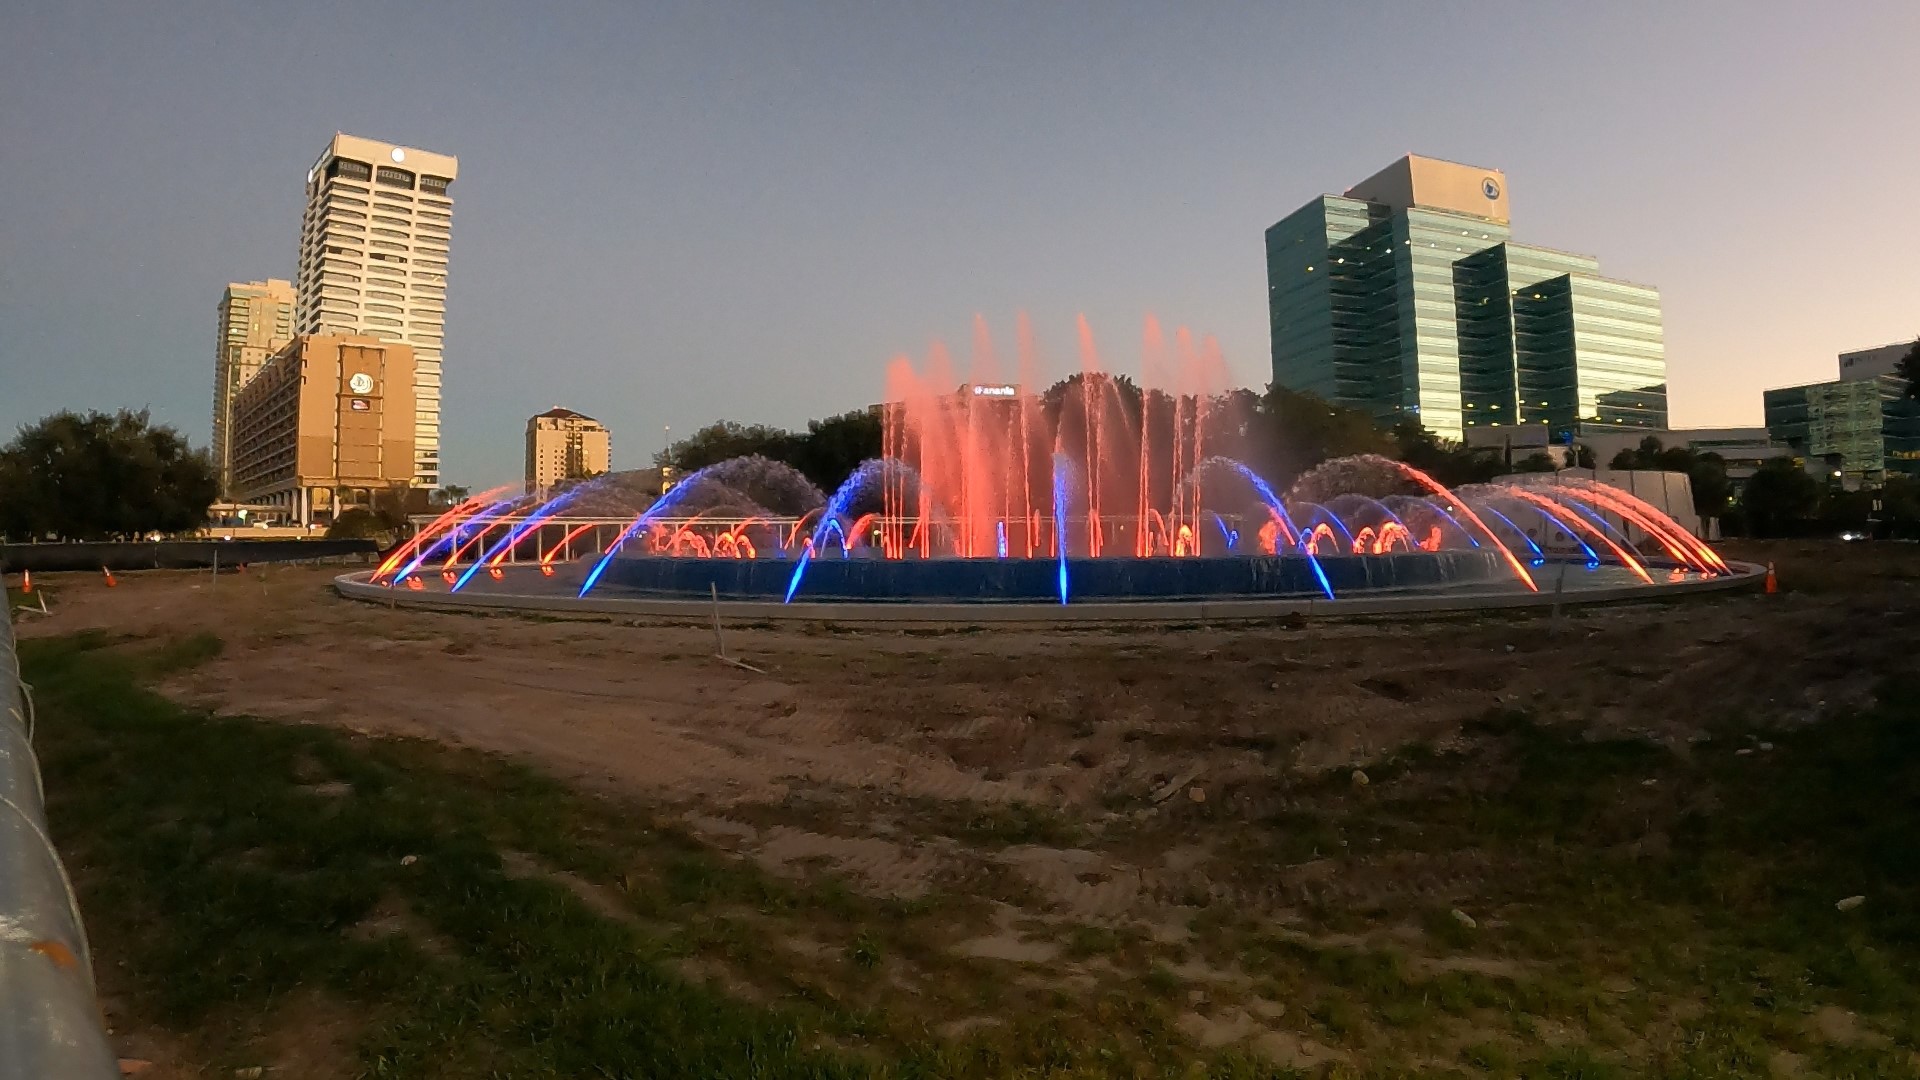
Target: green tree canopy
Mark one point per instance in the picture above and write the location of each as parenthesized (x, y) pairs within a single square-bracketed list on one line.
[(724, 439), (834, 447), (1299, 430), (1706, 472), (102, 476), (1910, 369), (826, 454), (1447, 461), (1778, 497)]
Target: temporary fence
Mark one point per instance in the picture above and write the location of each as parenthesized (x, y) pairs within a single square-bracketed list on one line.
[(50, 1021)]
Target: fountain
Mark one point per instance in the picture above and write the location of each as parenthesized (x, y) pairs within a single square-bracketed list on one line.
[(1099, 498)]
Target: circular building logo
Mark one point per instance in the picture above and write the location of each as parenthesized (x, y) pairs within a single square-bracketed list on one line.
[(1490, 188), (360, 383)]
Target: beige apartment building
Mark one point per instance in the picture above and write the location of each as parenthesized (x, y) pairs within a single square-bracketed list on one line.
[(325, 425), (256, 321), (565, 445), (373, 262)]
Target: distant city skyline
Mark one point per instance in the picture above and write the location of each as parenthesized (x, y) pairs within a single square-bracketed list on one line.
[(691, 212)]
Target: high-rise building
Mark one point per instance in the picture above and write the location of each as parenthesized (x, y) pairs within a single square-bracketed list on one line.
[(325, 425), (373, 261), (565, 445), (1407, 297), (256, 320), (1860, 426)]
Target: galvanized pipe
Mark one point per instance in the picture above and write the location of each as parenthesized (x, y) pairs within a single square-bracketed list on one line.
[(50, 1023)]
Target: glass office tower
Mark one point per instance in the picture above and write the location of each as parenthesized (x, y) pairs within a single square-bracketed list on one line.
[(1406, 297), (1862, 428)]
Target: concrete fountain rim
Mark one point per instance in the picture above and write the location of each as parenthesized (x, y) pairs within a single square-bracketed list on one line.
[(357, 586)]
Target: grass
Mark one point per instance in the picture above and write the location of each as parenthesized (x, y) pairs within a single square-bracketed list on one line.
[(233, 867), (220, 878), (1684, 928), (1713, 889)]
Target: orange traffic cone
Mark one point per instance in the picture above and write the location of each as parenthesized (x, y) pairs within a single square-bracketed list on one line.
[(26, 581), (110, 582), (1773, 583)]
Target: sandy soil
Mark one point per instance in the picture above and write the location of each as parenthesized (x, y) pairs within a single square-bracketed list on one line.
[(874, 752), (871, 730)]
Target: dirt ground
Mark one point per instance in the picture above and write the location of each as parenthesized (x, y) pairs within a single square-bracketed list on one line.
[(1110, 767)]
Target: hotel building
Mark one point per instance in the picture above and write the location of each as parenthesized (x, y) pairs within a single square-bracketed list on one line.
[(325, 425), (373, 262)]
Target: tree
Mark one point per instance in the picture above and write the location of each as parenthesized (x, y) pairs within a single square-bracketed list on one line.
[(1538, 461), (834, 447), (1583, 457), (1447, 461), (102, 476), (1298, 430), (1910, 369), (1778, 497), (450, 495), (385, 518), (355, 524), (1706, 472), (724, 439)]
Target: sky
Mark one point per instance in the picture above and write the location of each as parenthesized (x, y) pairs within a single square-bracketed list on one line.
[(673, 213)]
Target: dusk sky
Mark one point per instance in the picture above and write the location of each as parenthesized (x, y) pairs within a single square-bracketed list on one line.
[(668, 214)]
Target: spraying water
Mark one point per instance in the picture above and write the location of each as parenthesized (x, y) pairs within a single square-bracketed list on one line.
[(1062, 469), (867, 473)]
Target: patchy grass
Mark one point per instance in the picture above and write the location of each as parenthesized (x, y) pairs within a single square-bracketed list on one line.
[(228, 866), (1679, 913), (1635, 910)]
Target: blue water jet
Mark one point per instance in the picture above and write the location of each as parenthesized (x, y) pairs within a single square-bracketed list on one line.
[(1593, 557), (1451, 520), (836, 506), (1061, 468), (664, 502), (1279, 510), (531, 521), (453, 536), (1538, 555)]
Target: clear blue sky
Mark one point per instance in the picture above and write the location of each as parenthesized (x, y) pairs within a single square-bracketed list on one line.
[(670, 213)]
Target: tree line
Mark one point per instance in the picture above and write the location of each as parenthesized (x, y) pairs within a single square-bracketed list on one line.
[(1281, 434), (118, 476), (102, 476)]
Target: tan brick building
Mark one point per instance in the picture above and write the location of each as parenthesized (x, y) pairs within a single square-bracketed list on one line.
[(256, 321), (373, 260), (324, 426), (565, 445)]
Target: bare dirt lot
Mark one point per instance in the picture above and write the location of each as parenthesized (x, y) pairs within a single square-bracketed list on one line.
[(1137, 807)]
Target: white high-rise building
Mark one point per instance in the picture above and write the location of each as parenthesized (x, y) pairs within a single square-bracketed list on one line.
[(373, 261)]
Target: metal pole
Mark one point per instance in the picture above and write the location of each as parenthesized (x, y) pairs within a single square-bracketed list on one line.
[(50, 1024)]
